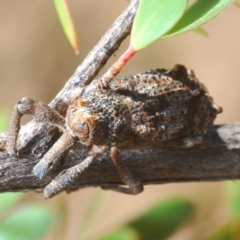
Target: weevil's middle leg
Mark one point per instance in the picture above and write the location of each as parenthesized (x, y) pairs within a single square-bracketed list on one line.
[(126, 176), (66, 177), (39, 111)]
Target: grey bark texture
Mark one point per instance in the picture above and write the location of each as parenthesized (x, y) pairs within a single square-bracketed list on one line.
[(220, 161)]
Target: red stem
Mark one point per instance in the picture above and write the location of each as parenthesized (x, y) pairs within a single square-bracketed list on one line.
[(105, 80)]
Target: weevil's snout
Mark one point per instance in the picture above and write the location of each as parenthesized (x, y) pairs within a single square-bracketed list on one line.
[(81, 123)]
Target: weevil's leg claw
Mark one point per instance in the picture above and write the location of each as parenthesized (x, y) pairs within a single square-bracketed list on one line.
[(134, 189), (66, 177)]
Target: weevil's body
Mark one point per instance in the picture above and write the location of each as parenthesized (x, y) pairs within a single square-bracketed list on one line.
[(155, 108)]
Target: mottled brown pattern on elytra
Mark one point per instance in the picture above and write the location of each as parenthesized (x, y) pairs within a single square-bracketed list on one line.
[(152, 109), (155, 108)]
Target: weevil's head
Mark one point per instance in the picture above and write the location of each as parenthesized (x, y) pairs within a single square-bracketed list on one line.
[(81, 123)]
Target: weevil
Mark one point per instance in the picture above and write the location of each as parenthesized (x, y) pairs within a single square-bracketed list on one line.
[(156, 108)]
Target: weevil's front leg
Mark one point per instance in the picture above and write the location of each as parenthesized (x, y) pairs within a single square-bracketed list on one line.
[(69, 175), (39, 111), (127, 177), (55, 153)]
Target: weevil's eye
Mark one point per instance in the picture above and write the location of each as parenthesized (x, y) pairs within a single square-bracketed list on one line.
[(83, 131), (74, 137)]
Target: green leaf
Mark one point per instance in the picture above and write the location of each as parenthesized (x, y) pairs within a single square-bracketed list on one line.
[(67, 23), (4, 118), (124, 233), (201, 31), (158, 223), (153, 19), (162, 220), (197, 14), (9, 199), (27, 223), (233, 194)]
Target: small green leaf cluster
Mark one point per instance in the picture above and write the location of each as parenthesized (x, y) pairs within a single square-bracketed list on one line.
[(166, 18), (25, 222), (155, 19), (3, 120), (167, 218), (159, 222)]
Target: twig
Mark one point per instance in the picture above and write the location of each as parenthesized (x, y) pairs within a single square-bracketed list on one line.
[(220, 161)]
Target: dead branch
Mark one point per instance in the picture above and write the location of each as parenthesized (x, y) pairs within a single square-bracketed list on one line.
[(220, 161)]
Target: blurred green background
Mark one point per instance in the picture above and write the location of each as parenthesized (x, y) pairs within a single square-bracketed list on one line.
[(36, 60)]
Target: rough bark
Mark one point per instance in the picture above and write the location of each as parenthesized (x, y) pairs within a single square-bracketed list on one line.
[(220, 161)]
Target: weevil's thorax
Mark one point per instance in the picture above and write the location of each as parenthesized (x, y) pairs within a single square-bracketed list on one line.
[(100, 117)]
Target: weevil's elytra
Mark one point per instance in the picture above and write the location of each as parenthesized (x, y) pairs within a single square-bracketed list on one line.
[(155, 108)]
